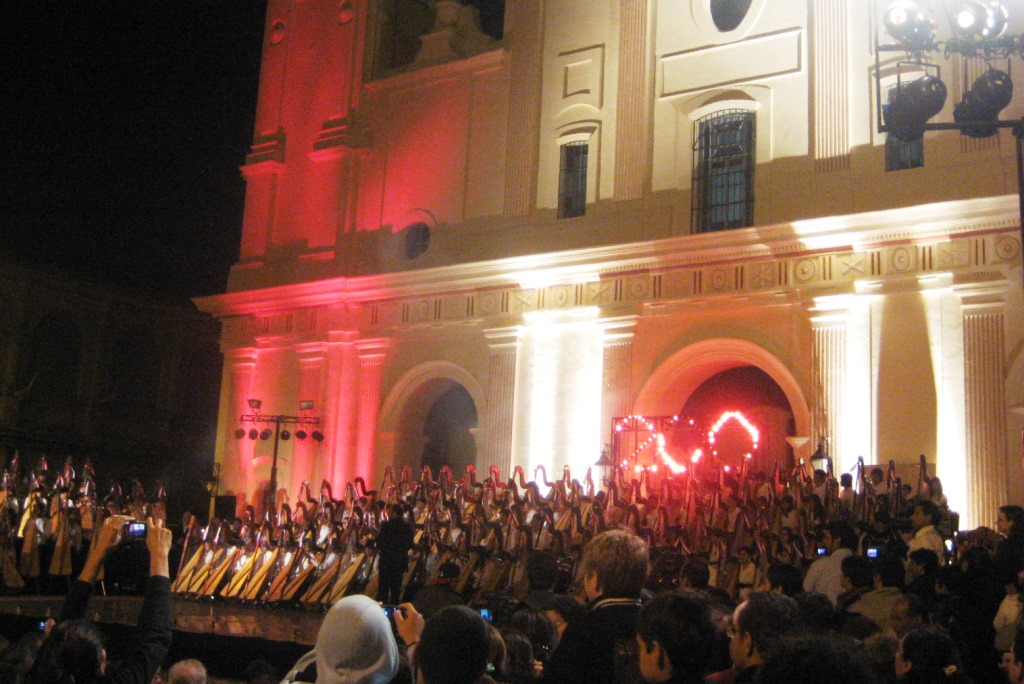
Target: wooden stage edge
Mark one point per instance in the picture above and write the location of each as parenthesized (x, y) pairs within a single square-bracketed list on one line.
[(200, 617)]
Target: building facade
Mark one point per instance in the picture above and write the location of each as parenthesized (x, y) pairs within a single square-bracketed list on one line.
[(539, 216)]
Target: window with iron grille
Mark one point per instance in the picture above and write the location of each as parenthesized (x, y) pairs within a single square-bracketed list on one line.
[(723, 170), (572, 180), (901, 154)]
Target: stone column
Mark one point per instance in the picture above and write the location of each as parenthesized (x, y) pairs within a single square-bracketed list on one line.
[(985, 394), (371, 364), (503, 345), (616, 384), (237, 473), (306, 461)]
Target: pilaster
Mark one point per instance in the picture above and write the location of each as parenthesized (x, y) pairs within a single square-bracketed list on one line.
[(829, 319), (503, 345), (631, 125), (372, 354), (985, 391), (830, 69), (238, 475), (616, 378), (340, 413), (305, 462)]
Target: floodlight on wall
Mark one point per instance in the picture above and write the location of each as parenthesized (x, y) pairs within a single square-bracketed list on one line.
[(989, 95), (255, 404), (254, 434), (318, 436), (306, 405), (239, 433), (301, 434), (266, 434), (980, 20), (286, 435), (909, 25), (911, 104)]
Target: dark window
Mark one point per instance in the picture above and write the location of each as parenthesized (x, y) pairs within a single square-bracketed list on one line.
[(728, 14), (900, 154), (572, 180), (723, 173)]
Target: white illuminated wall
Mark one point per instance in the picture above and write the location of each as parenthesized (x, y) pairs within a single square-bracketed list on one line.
[(558, 393)]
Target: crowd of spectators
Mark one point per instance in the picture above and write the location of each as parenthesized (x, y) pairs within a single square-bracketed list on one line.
[(857, 607)]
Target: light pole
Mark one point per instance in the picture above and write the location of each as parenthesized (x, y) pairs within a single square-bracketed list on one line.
[(278, 420), (976, 31)]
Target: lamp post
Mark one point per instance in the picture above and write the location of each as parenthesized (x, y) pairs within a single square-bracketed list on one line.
[(976, 31), (278, 420)]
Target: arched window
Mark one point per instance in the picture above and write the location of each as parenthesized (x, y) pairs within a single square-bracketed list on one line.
[(723, 170)]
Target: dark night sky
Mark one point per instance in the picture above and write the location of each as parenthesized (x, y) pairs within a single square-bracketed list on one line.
[(122, 125)]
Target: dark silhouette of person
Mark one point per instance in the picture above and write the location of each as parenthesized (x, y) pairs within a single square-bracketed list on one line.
[(393, 543)]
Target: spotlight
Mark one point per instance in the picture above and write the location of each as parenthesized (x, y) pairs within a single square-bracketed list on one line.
[(266, 434), (318, 436), (254, 434), (255, 404), (908, 24), (300, 434), (911, 104), (239, 433), (306, 405), (285, 435), (980, 20), (989, 95)]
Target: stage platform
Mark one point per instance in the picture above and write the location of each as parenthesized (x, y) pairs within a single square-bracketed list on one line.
[(226, 637), (197, 617)]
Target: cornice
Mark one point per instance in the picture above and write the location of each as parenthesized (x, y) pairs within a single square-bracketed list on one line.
[(851, 235)]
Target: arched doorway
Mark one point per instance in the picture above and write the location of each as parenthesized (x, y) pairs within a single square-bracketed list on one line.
[(430, 418), (681, 376), (447, 429)]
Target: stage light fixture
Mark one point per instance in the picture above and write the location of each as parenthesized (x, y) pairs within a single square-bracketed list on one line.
[(239, 433), (306, 405), (911, 104), (980, 20), (266, 434), (255, 404), (254, 434), (301, 434), (285, 435), (909, 25), (990, 94), (318, 436)]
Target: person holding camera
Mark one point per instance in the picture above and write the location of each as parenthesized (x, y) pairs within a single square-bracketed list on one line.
[(73, 649)]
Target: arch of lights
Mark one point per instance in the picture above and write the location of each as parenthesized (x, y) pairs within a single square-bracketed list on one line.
[(657, 442)]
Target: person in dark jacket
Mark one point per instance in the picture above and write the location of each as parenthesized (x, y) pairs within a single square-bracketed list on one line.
[(393, 543), (601, 647), (1010, 553), (73, 649)]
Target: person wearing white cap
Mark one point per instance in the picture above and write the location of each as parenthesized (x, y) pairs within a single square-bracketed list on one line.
[(355, 645)]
